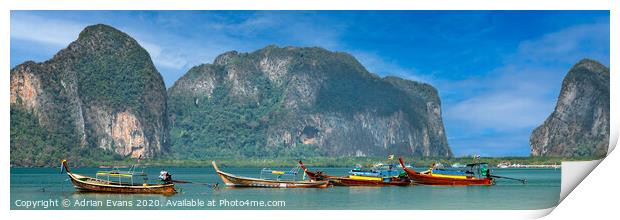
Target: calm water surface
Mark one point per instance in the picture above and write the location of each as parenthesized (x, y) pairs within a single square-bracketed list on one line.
[(44, 184)]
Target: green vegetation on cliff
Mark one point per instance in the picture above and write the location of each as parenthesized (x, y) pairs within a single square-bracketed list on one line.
[(35, 146), (101, 97), (117, 72), (300, 102)]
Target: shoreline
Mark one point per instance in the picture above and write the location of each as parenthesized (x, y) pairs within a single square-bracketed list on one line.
[(512, 162)]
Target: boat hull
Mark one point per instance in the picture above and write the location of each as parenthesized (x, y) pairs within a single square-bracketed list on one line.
[(429, 179), (426, 179), (85, 186), (89, 184), (345, 181), (348, 181), (237, 181)]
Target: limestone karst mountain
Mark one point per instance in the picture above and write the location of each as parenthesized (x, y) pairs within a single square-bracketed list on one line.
[(579, 126), (302, 101), (100, 94)]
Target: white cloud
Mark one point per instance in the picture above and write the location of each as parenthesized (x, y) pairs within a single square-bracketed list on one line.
[(506, 110), (521, 94), (567, 45), (164, 57), (59, 33), (378, 65), (42, 30), (173, 53)]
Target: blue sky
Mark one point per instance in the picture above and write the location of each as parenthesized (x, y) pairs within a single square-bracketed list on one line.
[(498, 72)]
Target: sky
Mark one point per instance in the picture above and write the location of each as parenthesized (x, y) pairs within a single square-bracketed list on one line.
[(498, 73)]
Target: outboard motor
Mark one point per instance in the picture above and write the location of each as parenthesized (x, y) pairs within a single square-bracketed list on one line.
[(165, 176)]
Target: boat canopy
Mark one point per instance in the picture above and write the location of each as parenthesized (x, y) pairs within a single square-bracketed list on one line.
[(119, 174), (116, 173)]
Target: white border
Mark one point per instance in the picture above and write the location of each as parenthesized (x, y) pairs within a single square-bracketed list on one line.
[(312, 5), (592, 198)]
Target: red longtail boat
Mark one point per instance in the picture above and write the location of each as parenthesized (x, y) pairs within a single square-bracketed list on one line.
[(355, 180), (478, 175)]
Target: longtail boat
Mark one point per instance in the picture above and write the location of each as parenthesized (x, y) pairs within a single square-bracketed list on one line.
[(238, 181), (109, 185), (356, 180), (478, 175)]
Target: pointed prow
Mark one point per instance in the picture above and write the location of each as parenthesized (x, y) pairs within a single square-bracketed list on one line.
[(64, 167), (302, 166), (215, 166), (402, 163)]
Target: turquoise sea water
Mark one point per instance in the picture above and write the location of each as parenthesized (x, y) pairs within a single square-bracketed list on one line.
[(45, 187)]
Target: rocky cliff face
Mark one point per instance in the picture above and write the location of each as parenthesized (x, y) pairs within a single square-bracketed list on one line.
[(579, 126), (299, 101), (102, 92)]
